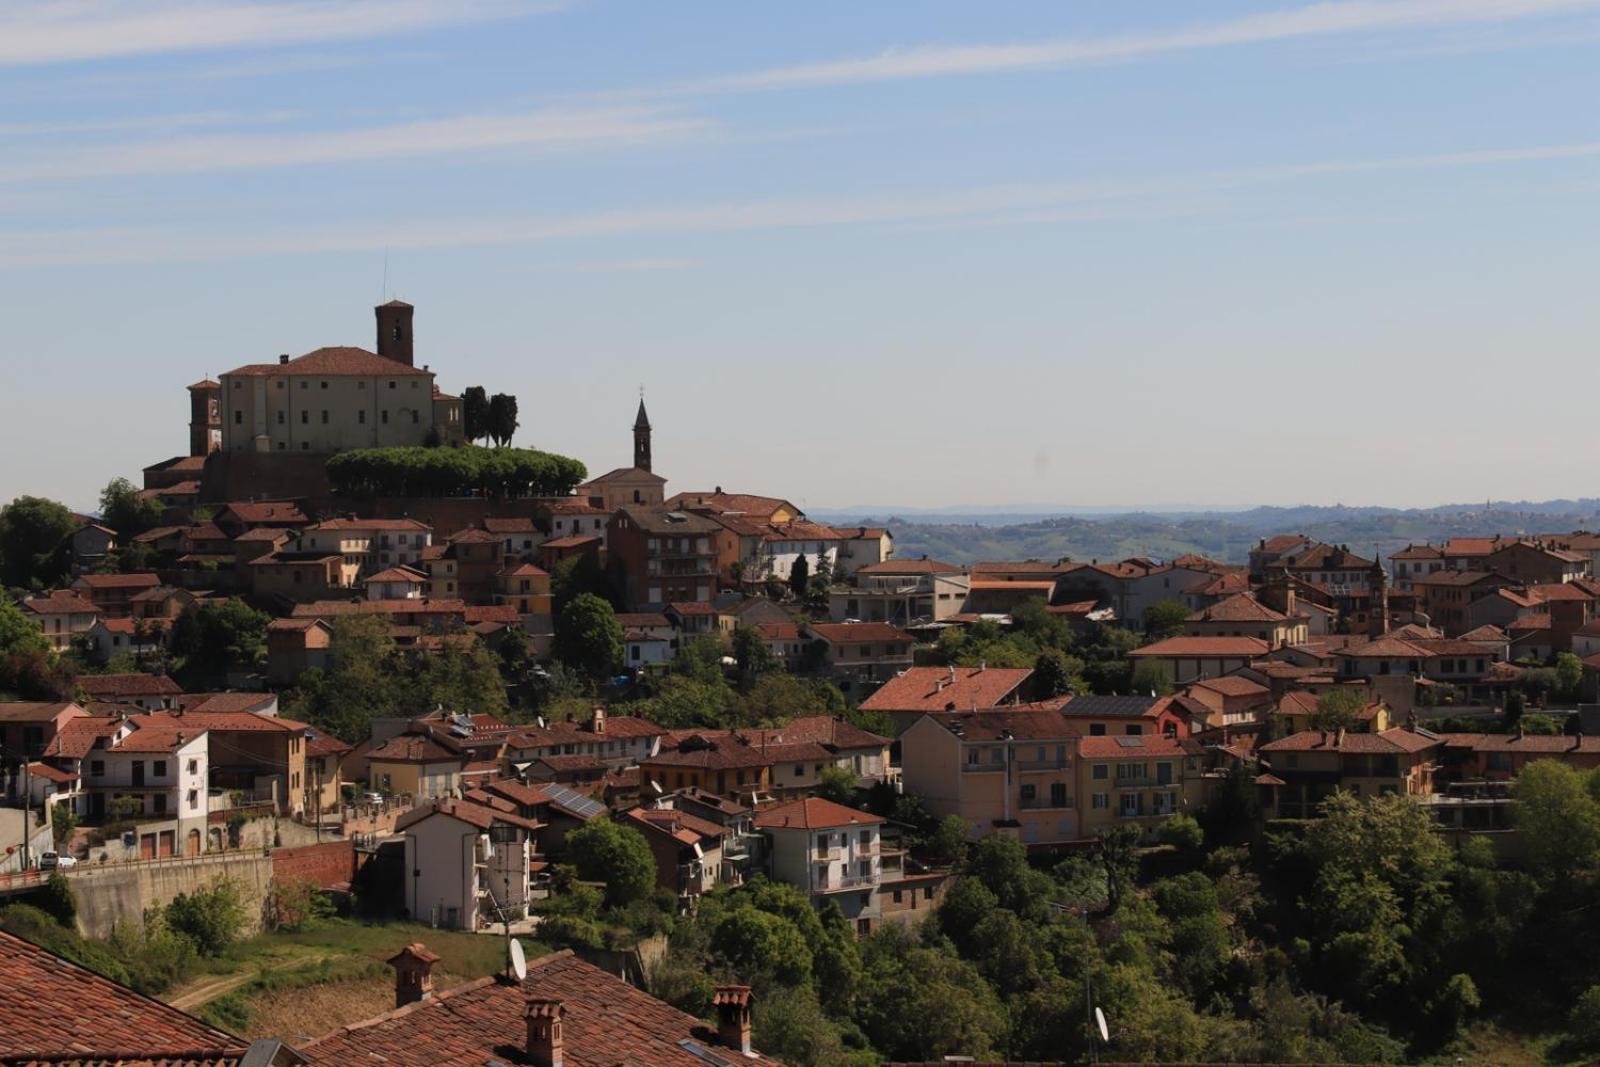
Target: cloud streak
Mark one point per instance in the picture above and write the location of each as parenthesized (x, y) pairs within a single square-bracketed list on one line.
[(34, 32), (993, 205), (548, 129), (1333, 18)]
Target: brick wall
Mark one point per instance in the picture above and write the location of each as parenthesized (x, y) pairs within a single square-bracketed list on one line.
[(328, 864)]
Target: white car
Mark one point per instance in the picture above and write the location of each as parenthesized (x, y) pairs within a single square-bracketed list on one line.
[(49, 861)]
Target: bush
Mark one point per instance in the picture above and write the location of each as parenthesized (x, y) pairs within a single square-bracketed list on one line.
[(1583, 1022), (211, 918), (296, 904), (1181, 831), (56, 899)]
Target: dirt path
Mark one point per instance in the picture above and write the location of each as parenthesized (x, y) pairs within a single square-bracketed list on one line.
[(210, 989)]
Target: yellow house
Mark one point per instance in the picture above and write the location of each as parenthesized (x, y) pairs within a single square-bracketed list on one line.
[(1137, 780), (1001, 770), (1308, 767), (413, 765)]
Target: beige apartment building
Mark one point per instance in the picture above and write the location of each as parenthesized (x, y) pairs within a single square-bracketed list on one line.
[(1001, 770), (339, 398), (367, 546)]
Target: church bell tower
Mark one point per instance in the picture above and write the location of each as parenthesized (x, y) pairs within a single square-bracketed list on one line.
[(641, 439)]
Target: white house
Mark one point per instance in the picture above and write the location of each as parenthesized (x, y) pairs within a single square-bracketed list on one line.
[(828, 851), (165, 769), (467, 865)]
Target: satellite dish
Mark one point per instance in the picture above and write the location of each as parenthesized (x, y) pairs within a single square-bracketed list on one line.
[(519, 967), (1099, 1021)]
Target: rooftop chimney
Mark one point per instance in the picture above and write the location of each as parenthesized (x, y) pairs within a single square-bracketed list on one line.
[(598, 722), (544, 1031), (283, 358), (733, 1016), (413, 974)]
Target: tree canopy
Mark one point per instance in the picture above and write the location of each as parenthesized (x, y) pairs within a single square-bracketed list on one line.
[(33, 534), (505, 473)]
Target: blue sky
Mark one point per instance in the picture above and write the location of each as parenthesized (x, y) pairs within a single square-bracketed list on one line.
[(1090, 253)]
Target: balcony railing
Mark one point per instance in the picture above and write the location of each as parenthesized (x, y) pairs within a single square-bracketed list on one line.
[(978, 768), (850, 881), (1044, 804), (1060, 764)]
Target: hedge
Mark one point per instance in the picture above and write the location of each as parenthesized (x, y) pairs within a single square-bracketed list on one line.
[(466, 471)]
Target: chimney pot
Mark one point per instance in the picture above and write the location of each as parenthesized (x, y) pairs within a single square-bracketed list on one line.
[(544, 1031), (283, 358), (413, 974), (733, 1016)]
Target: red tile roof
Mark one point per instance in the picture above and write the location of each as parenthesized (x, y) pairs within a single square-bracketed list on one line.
[(813, 813), (607, 1023), (1139, 746), (34, 711), (893, 567), (846, 633), (1032, 723), (60, 602), (110, 686), (1242, 607), (1233, 686), (338, 361), (118, 581), (1205, 646), (1543, 745), (1389, 742), (358, 524), (940, 688), (412, 748), (54, 1011)]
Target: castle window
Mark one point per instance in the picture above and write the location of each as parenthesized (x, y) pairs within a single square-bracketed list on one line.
[(305, 385), (305, 418), (324, 416), (361, 416), (415, 418), (238, 418), (324, 385), (385, 415), (280, 418), (305, 446), (391, 385)]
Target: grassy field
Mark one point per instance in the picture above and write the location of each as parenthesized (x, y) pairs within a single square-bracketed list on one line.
[(308, 983)]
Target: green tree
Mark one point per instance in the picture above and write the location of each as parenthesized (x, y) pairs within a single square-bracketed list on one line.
[(758, 944), (791, 1027), (219, 637), (1557, 817), (1152, 676), (752, 654), (1182, 832), (212, 917), (125, 511), (1583, 1021), (462, 676), (800, 577), (949, 841), (837, 784), (56, 899), (1165, 619), (1338, 709), (588, 637), (1569, 676), (1056, 674), (619, 856), (63, 821), (19, 635), (33, 535), (577, 575), (363, 680), (920, 1004), (475, 412), (502, 418), (1516, 703)]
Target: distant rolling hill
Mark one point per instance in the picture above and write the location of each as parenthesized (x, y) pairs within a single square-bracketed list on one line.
[(1222, 535)]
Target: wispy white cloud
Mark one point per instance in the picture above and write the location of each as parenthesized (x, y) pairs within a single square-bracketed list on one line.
[(55, 31), (1333, 18), (143, 123), (548, 129), (992, 205)]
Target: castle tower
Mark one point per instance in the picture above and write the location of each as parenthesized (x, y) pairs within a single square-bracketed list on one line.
[(641, 439), (1378, 606), (394, 331), (205, 417)]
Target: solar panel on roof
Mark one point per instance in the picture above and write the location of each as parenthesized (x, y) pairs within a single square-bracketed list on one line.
[(584, 807), (1131, 742), (1109, 705)]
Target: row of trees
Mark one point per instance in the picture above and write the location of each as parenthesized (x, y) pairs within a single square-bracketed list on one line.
[(505, 473), (488, 417)]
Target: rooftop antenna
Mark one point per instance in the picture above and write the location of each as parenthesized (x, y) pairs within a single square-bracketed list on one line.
[(383, 296)]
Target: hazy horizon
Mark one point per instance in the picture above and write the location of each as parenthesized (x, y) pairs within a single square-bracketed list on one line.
[(951, 255)]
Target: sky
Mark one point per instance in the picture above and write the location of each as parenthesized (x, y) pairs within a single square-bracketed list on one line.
[(1053, 254)]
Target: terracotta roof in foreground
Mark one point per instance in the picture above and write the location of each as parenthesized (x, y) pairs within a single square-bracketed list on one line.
[(813, 813), (53, 1011), (607, 1022), (941, 688)]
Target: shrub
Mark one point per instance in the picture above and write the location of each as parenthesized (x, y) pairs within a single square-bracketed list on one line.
[(433, 472), (211, 918), (1584, 1019), (296, 904)]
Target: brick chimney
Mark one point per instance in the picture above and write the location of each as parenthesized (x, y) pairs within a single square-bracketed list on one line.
[(733, 1016), (413, 974), (544, 1031)]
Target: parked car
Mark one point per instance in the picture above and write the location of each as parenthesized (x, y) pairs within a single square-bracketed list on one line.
[(372, 798), (49, 861)]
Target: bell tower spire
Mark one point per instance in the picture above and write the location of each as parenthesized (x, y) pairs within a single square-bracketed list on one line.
[(641, 436)]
